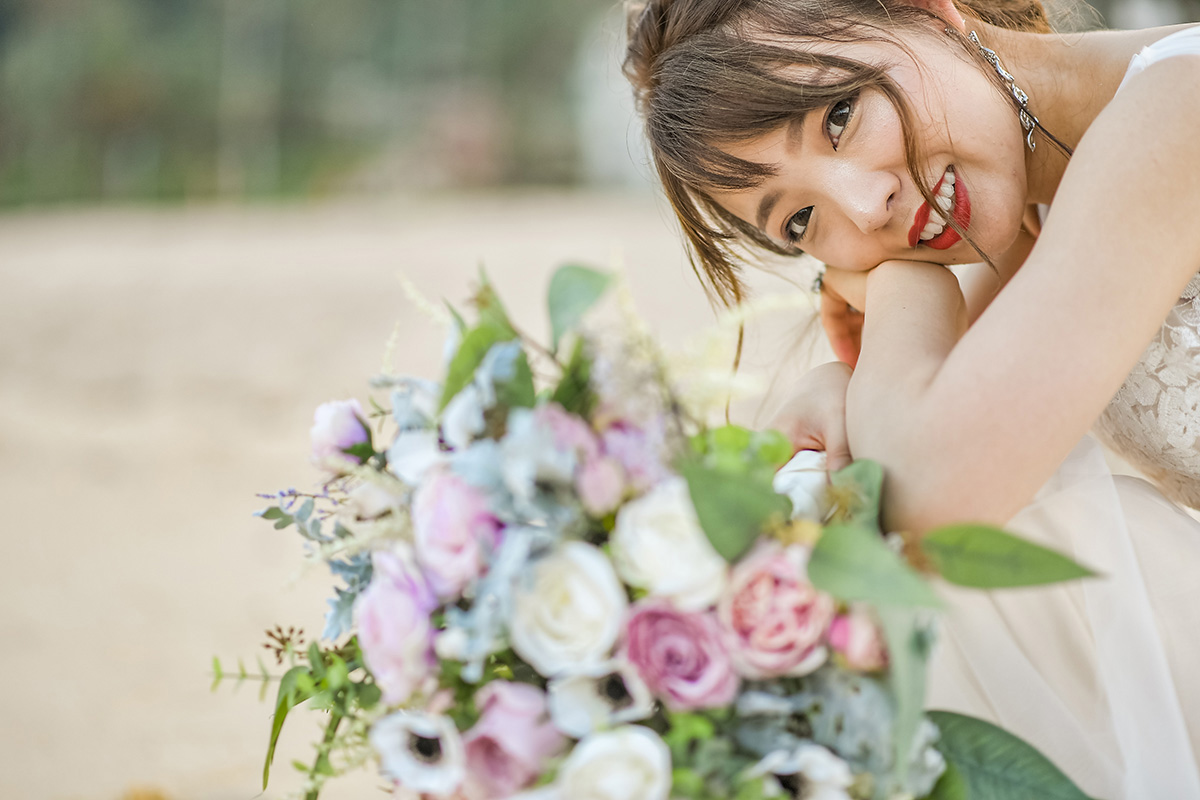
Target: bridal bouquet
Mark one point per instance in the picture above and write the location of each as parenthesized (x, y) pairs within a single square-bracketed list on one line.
[(559, 582)]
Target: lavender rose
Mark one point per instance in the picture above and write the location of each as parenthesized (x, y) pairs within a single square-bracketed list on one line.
[(337, 425), (773, 619), (680, 656), (453, 530), (393, 627), (509, 746)]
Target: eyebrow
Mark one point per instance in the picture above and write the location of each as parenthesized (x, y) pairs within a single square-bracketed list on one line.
[(765, 207)]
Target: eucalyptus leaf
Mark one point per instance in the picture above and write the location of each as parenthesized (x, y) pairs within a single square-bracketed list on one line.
[(853, 563), (732, 509), (984, 557), (459, 322), (573, 290), (518, 392), (288, 698), (491, 310), (951, 786), (996, 765), (908, 645), (574, 391), (859, 487), (471, 351)]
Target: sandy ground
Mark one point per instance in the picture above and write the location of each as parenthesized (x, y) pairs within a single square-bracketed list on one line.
[(159, 367)]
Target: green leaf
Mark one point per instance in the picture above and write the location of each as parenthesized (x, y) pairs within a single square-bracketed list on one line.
[(289, 697), (995, 765), (984, 557), (459, 322), (274, 512), (772, 447), (519, 392), (218, 674), (362, 451), (491, 310), (573, 290), (686, 783), (368, 696), (853, 563), (908, 645), (730, 439), (950, 786), (574, 390), (471, 351), (732, 509), (860, 487)]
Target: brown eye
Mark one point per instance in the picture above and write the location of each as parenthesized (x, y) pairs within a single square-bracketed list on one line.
[(839, 117), (798, 224)]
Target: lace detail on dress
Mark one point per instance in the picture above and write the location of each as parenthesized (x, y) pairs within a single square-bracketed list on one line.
[(1154, 419)]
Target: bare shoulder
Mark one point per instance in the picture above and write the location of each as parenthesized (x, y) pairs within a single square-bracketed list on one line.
[(1131, 193)]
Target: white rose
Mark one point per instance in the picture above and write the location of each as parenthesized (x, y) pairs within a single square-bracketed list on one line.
[(805, 481), (629, 763), (658, 545), (568, 613)]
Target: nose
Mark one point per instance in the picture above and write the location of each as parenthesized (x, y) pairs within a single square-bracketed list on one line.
[(867, 199)]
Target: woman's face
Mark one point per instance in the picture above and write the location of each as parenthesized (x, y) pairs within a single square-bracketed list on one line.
[(842, 190)]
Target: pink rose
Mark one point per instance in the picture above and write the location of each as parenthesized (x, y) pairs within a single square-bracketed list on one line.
[(394, 629), (600, 484), (680, 656), (453, 531), (570, 433), (772, 617), (514, 738), (855, 637), (337, 425), (639, 451)]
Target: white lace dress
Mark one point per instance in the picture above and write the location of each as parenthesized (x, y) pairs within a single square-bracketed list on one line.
[(1154, 420), (1102, 675)]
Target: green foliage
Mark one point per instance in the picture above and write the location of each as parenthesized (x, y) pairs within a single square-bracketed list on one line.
[(995, 765), (518, 392), (281, 517), (574, 390), (733, 509), (909, 645), (474, 346), (853, 563), (573, 290), (735, 450), (859, 492), (326, 682), (950, 786), (289, 697), (983, 557)]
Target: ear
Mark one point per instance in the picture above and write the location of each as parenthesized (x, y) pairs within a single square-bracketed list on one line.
[(945, 9)]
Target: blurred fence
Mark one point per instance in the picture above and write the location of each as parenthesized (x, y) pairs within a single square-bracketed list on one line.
[(162, 99), (149, 100)]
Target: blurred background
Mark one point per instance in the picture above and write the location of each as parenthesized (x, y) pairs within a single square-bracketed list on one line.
[(204, 205)]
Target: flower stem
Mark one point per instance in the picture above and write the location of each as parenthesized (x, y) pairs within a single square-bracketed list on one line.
[(335, 720)]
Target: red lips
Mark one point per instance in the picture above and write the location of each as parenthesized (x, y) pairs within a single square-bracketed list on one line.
[(948, 237)]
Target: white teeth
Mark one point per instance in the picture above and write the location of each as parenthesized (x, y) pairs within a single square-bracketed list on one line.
[(944, 204), (931, 230), (935, 219), (947, 189)]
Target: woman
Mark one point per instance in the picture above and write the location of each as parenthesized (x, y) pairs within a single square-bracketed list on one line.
[(891, 138)]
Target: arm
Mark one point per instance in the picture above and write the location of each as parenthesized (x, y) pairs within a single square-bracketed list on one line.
[(970, 428)]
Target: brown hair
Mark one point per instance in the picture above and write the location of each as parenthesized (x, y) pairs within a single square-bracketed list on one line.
[(712, 72)]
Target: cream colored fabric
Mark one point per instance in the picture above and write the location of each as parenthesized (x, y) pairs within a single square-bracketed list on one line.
[(1098, 674)]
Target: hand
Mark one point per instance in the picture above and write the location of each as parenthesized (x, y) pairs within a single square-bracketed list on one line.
[(843, 295), (815, 416)]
